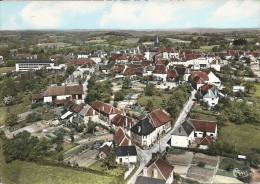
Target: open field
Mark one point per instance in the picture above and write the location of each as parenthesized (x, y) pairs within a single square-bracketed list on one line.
[(206, 48), (98, 166), (198, 113), (244, 137), (256, 94), (30, 172), (224, 179), (131, 40), (236, 163), (6, 69), (207, 160), (157, 100), (178, 40)]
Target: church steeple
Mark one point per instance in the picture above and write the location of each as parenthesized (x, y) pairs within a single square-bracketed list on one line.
[(156, 42)]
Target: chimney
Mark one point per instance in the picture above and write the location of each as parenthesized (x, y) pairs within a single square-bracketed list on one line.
[(179, 129), (139, 128)]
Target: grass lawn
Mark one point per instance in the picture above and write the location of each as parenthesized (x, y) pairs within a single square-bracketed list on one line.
[(236, 163), (15, 109), (243, 137), (157, 100), (206, 48), (6, 69), (98, 166), (30, 172), (256, 94), (198, 113)]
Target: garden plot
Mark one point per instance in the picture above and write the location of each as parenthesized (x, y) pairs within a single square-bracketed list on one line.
[(182, 159), (84, 159), (200, 174), (207, 160)]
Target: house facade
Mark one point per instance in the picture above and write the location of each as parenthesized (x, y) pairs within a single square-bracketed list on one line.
[(21, 66), (126, 154)]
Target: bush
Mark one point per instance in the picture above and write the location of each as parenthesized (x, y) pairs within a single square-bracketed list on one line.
[(201, 164)]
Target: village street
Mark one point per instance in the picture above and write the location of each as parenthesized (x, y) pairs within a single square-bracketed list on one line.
[(146, 155)]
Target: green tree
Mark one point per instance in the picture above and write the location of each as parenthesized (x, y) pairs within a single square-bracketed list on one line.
[(11, 119), (126, 83), (149, 106), (150, 90), (110, 161), (91, 127), (70, 70), (119, 95)]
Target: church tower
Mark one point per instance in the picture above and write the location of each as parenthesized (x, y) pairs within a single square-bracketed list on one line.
[(156, 42)]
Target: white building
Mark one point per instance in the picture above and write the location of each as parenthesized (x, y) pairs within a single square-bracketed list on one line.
[(82, 55), (126, 154), (74, 92), (32, 65), (238, 88), (183, 135)]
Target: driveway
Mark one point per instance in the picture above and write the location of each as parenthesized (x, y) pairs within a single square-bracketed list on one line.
[(146, 155)]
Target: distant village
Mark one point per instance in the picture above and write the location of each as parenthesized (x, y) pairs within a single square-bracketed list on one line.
[(155, 143)]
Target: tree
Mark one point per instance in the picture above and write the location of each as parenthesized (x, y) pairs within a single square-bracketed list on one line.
[(110, 161), (119, 95), (149, 90), (126, 83), (91, 127), (11, 119), (23, 146), (150, 106), (250, 87), (70, 70)]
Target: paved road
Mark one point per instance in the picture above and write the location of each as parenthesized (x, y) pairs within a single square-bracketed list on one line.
[(146, 155)]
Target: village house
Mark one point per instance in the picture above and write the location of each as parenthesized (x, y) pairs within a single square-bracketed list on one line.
[(118, 58), (123, 121), (156, 171), (160, 72), (195, 133), (75, 92), (105, 111), (82, 55), (104, 152), (210, 94), (183, 135), (83, 61), (27, 56), (122, 138), (150, 128), (126, 154)]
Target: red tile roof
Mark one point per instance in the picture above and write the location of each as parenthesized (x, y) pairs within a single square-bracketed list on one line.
[(172, 73), (105, 149), (23, 55), (105, 108), (160, 69), (64, 90), (204, 125), (165, 168), (174, 59), (79, 108), (210, 55), (122, 139), (62, 102), (37, 96), (131, 70), (207, 140), (118, 67), (116, 56), (159, 117), (82, 61), (121, 120), (199, 77), (165, 49), (162, 62), (206, 87)]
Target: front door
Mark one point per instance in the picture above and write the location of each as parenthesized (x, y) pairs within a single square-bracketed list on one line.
[(120, 160)]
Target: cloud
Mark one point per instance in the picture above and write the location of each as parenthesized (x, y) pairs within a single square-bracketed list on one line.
[(233, 11), (138, 14), (150, 14), (12, 22), (50, 14)]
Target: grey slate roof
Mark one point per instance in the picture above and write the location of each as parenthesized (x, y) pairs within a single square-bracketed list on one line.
[(145, 125), (147, 180), (125, 151), (184, 129), (68, 105), (84, 110)]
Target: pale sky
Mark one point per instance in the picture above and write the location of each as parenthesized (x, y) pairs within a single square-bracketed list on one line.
[(170, 14)]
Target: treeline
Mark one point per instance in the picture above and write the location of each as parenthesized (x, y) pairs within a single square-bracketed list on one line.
[(98, 90)]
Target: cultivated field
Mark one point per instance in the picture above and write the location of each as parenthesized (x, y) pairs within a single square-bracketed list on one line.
[(200, 174), (182, 159), (6, 69), (207, 160)]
